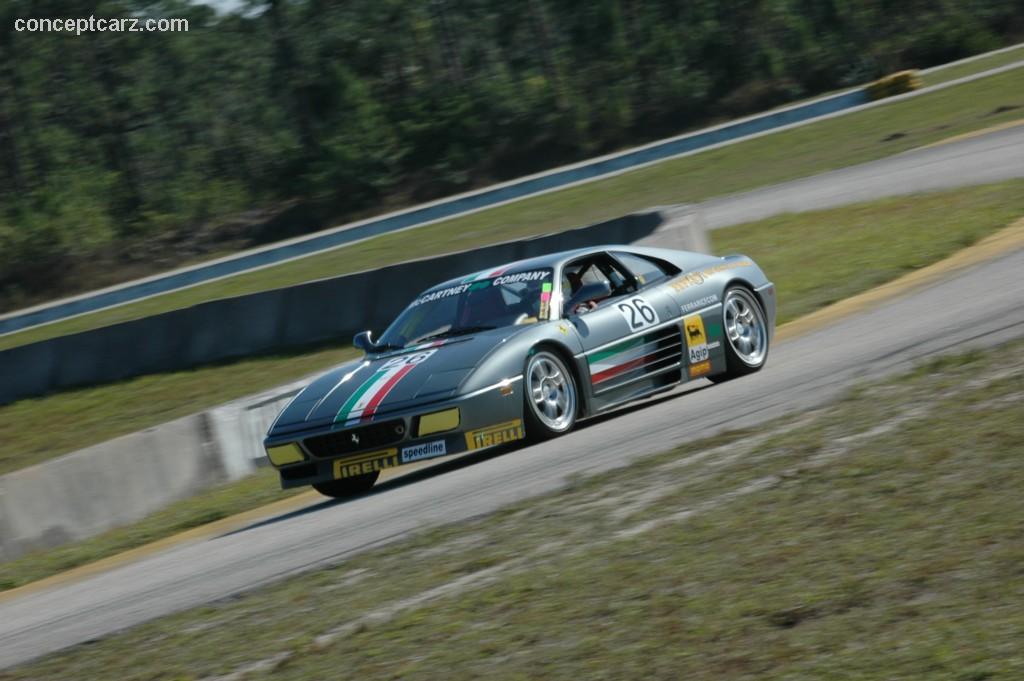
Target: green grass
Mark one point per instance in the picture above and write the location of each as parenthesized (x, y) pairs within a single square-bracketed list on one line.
[(879, 537), (788, 155), (953, 72), (216, 503), (818, 258), (814, 258), (35, 430)]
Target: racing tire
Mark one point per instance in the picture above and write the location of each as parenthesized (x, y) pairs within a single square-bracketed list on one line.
[(347, 487), (550, 396), (745, 334)]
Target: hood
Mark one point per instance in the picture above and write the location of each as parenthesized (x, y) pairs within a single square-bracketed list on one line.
[(388, 382)]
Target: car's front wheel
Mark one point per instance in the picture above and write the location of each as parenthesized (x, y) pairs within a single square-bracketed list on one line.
[(746, 333), (550, 395), (347, 487)]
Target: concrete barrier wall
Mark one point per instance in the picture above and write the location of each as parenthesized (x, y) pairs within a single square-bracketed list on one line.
[(110, 484), (328, 310), (237, 429), (122, 481)]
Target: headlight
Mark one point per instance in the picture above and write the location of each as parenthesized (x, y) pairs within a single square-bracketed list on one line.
[(285, 454), (438, 422)]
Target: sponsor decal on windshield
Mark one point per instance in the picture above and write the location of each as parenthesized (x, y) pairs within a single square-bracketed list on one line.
[(487, 274), (545, 299), (479, 280), (364, 400), (443, 293), (535, 275)]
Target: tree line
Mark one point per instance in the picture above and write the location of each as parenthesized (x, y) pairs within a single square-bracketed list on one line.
[(122, 152)]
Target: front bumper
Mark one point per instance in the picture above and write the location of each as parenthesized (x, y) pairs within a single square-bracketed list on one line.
[(487, 418)]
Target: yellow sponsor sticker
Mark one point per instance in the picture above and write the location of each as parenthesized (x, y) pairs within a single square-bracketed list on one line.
[(685, 281), (700, 369), (495, 435), (366, 463), (696, 338)]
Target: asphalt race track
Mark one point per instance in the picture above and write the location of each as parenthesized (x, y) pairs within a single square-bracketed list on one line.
[(977, 307), (992, 157)]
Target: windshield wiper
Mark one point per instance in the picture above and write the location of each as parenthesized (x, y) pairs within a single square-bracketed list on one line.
[(458, 331)]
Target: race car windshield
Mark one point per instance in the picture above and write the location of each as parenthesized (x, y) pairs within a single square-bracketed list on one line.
[(487, 301)]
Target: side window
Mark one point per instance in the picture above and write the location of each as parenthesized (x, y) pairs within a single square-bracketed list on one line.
[(588, 282), (645, 270)]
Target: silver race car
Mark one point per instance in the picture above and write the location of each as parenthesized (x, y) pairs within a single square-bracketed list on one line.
[(520, 351)]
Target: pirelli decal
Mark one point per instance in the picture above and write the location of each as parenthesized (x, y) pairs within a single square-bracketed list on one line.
[(366, 463), (495, 435)]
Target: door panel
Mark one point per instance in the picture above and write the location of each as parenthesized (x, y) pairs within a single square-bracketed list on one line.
[(632, 346)]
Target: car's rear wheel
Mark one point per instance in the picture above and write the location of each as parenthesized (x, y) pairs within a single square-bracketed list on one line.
[(550, 395), (746, 333), (347, 487)]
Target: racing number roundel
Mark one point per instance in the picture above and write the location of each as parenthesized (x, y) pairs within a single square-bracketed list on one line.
[(638, 313)]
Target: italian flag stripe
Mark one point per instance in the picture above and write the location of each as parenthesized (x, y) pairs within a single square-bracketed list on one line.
[(620, 348), (621, 358), (356, 412), (355, 396), (486, 274), (620, 369), (500, 270), (614, 350), (390, 383)]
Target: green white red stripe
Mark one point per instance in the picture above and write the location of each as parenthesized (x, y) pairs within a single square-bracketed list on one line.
[(488, 274), (620, 358), (365, 400)]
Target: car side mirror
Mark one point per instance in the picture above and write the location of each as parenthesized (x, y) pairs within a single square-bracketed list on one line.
[(364, 341)]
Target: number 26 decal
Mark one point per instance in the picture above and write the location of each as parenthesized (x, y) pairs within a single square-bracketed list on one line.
[(408, 360), (637, 313)]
